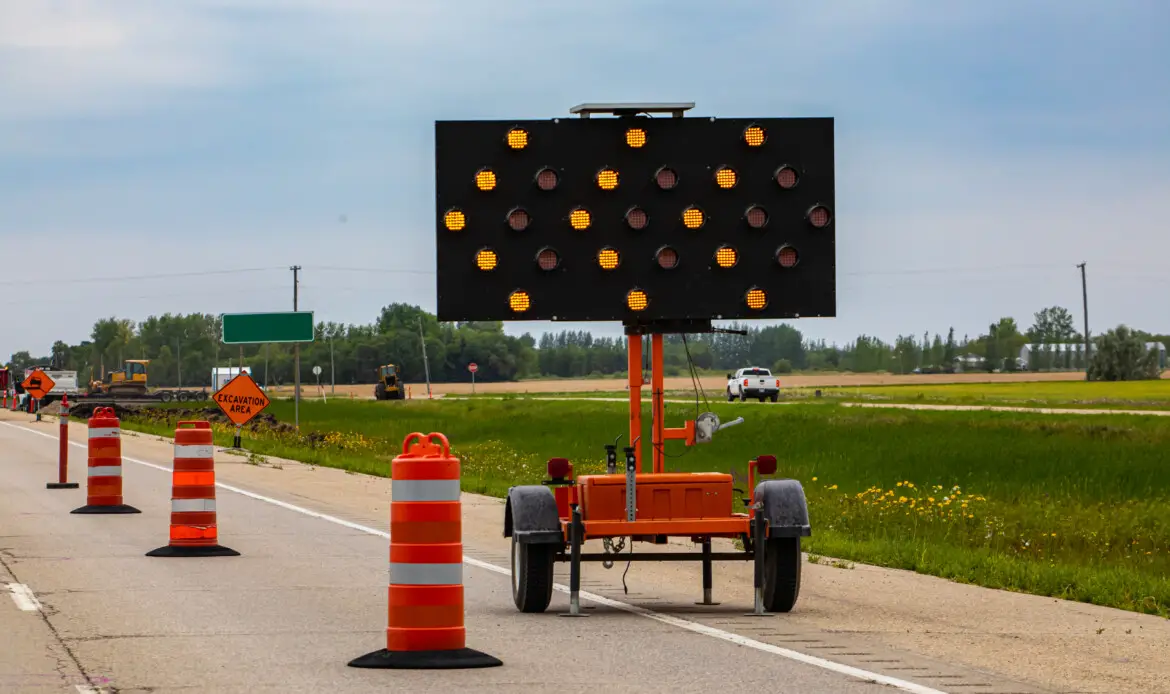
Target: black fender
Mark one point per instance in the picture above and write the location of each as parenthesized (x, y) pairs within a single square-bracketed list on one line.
[(784, 506), (530, 513)]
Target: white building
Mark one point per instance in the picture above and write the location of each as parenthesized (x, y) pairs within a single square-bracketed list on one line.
[(222, 374)]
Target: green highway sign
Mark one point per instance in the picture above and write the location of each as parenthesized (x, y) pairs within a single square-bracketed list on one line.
[(252, 328)]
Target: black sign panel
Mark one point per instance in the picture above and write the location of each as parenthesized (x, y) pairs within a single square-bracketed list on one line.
[(635, 219)]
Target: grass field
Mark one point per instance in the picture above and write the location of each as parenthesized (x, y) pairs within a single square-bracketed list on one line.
[(1068, 507)]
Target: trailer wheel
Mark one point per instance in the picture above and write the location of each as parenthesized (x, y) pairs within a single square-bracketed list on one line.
[(532, 575), (165, 396), (781, 573)]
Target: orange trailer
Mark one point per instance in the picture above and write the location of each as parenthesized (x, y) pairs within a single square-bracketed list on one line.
[(550, 522)]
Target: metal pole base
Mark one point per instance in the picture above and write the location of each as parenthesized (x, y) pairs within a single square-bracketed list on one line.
[(707, 601), (117, 508), (204, 551), (62, 485), (425, 660)]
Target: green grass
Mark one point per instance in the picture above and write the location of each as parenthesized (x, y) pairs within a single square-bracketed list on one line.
[(1071, 507), (1071, 394)]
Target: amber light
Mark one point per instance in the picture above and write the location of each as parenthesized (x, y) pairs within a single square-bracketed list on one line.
[(667, 258), (485, 179), (787, 256), (455, 220), (756, 216), (666, 178), (548, 259), (637, 219), (637, 300), (580, 218), (692, 218), (786, 177), (547, 179), (607, 179), (486, 259), (726, 178), (519, 301), (756, 298), (726, 257), (635, 137), (819, 216), (608, 258), (519, 219), (754, 135), (517, 138)]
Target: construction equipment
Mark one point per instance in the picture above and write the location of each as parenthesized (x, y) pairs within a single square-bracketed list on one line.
[(131, 383), (390, 385)]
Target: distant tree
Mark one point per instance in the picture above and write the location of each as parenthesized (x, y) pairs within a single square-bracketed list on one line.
[(782, 366), (1052, 325), (950, 349), (1121, 355)]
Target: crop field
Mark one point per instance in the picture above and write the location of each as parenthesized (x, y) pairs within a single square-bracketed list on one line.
[(1071, 507)]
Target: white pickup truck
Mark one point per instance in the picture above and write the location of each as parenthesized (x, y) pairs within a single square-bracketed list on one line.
[(752, 382)]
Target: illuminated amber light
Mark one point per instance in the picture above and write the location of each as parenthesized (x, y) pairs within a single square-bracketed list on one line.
[(607, 179), (756, 298), (726, 257), (692, 218), (635, 137), (519, 301), (637, 300), (517, 138), (754, 135), (486, 259), (485, 179), (608, 259), (726, 178), (580, 219), (455, 220)]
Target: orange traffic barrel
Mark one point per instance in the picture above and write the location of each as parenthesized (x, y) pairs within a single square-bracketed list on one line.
[(103, 491), (194, 531), (425, 617)]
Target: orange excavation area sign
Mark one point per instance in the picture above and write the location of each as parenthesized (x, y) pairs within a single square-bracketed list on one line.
[(241, 399), (38, 384)]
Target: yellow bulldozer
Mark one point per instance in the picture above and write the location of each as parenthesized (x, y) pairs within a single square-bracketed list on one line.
[(131, 380), (390, 385)]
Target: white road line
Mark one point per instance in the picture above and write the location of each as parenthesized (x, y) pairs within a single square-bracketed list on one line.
[(23, 597), (688, 625)]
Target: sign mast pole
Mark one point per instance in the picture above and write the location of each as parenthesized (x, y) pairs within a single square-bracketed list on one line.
[(296, 360)]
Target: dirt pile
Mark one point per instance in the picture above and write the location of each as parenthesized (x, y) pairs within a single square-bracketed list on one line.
[(261, 422)]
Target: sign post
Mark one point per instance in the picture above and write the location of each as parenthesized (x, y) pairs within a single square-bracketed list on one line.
[(63, 453), (317, 373), (241, 400), (472, 367), (263, 328), (37, 385)]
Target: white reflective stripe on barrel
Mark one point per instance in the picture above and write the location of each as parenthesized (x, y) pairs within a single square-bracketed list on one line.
[(105, 471), (192, 505), (424, 490), (105, 433), (426, 574), (188, 451)]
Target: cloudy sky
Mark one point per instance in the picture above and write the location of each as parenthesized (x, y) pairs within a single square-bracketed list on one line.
[(180, 156)]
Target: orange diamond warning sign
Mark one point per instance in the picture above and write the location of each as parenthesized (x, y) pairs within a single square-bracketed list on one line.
[(38, 384), (241, 399)]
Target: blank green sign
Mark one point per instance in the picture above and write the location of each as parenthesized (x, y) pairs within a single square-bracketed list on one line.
[(250, 328)]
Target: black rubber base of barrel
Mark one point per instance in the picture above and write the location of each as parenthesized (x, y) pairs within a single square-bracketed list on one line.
[(211, 551), (425, 660), (62, 485), (117, 508)]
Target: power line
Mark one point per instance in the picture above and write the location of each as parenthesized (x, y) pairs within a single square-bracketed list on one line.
[(128, 278)]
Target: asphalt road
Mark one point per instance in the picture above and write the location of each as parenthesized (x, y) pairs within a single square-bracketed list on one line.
[(88, 612)]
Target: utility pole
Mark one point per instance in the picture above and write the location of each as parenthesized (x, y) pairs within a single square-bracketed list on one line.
[(1085, 299), (426, 365), (332, 380), (296, 357)]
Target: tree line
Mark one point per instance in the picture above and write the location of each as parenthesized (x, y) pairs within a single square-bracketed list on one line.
[(183, 350)]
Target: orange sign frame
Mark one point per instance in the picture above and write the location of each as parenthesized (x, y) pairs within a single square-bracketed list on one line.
[(241, 399), (38, 384)]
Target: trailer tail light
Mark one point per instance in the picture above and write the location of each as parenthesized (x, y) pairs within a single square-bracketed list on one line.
[(558, 468), (766, 464)]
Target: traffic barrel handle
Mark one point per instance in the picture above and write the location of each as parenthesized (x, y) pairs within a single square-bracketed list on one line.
[(417, 444)]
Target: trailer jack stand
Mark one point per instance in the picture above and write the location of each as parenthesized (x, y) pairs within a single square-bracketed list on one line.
[(707, 574), (576, 533), (759, 534)]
